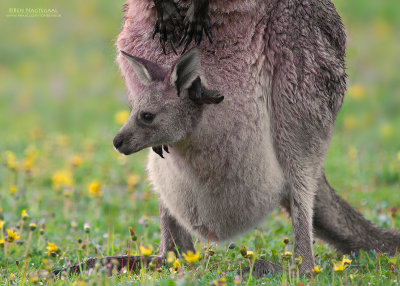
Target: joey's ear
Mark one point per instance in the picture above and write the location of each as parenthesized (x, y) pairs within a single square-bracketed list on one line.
[(186, 70), (139, 67), (199, 95)]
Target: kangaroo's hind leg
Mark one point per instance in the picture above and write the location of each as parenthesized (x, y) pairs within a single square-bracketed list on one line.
[(300, 142)]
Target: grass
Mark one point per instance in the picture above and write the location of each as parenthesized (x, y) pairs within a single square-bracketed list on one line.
[(60, 92)]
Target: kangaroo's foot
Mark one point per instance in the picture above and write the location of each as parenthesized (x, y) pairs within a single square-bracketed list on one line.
[(197, 19), (262, 267), (169, 23), (109, 263)]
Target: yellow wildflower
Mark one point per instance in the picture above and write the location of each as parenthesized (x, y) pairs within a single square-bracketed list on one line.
[(24, 214), (357, 92), (51, 248), (13, 189), (249, 254), (32, 226), (28, 164), (79, 283), (2, 241), (12, 276), (132, 181), (10, 160), (121, 117), (298, 260), (220, 282), (287, 255), (76, 161), (339, 266), (94, 188), (2, 223), (12, 235), (345, 260), (316, 270), (191, 257), (146, 251), (33, 278), (62, 179), (177, 264), (171, 256)]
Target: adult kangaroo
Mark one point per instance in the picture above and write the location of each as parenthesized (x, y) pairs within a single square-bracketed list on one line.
[(279, 66)]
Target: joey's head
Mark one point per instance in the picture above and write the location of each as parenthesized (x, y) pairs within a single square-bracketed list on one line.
[(167, 104)]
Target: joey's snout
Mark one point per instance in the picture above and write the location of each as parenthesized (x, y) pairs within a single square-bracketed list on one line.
[(118, 141), (123, 143)]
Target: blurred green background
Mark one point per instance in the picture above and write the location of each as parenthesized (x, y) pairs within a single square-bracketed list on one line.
[(59, 75), (60, 90)]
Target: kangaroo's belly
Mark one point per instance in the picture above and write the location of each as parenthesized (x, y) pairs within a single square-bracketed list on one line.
[(215, 193)]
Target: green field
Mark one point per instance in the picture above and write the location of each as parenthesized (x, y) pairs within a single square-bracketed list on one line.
[(60, 92)]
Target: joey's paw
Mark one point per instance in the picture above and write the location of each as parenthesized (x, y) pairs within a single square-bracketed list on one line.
[(196, 20), (159, 150), (263, 267), (169, 24)]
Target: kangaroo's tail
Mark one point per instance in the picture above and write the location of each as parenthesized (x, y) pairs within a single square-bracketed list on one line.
[(341, 225)]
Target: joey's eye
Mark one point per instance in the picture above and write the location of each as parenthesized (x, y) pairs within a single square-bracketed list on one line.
[(147, 117)]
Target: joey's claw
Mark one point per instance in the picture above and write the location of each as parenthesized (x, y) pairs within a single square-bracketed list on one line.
[(165, 147), (156, 28), (188, 40), (208, 34), (182, 39), (197, 38), (158, 150), (162, 41), (171, 39)]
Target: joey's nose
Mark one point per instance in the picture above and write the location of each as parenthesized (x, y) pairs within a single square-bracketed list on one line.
[(118, 140)]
